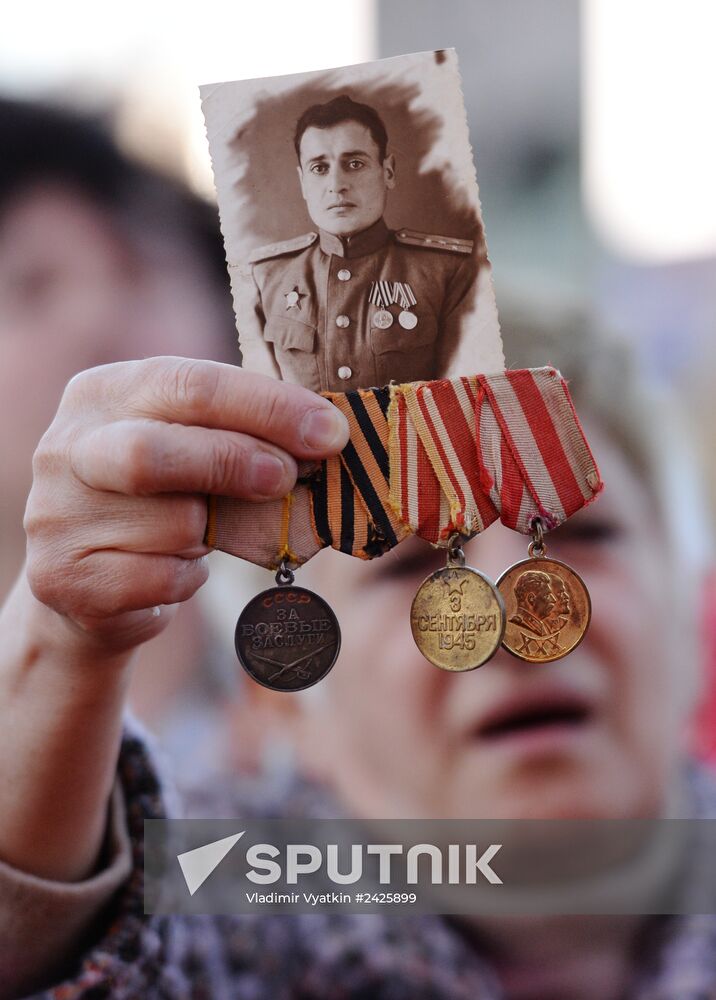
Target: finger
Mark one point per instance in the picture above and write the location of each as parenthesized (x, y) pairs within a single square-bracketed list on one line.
[(109, 583), (128, 630), (173, 524), (210, 394), (145, 457)]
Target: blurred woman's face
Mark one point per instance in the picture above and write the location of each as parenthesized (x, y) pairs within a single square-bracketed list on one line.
[(593, 735), (75, 293)]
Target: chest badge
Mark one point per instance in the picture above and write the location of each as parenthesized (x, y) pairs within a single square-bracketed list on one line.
[(293, 298)]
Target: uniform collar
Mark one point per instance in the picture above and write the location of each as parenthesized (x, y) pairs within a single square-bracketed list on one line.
[(358, 245)]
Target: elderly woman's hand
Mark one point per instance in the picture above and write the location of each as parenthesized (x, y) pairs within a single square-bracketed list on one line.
[(117, 513)]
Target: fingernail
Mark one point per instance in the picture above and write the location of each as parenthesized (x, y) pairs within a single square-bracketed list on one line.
[(324, 429), (267, 474)]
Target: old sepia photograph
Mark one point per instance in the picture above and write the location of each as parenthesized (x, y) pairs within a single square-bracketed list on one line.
[(351, 219)]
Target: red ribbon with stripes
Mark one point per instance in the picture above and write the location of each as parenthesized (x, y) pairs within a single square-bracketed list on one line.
[(430, 458), (468, 450)]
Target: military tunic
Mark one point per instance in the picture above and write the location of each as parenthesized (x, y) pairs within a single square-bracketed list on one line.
[(305, 313)]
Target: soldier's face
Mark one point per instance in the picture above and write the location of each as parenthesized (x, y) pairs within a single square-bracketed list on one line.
[(343, 180)]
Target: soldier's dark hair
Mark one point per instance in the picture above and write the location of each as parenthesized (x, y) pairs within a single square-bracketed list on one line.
[(342, 109)]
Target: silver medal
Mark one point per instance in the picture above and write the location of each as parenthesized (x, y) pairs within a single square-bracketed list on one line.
[(408, 320), (382, 319)]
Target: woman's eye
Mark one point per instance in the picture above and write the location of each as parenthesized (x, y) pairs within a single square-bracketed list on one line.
[(29, 285), (588, 532), (422, 562)]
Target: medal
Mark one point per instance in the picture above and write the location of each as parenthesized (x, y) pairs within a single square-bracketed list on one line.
[(384, 294), (287, 638), (458, 615), (405, 297), (382, 319), (381, 295), (547, 605)]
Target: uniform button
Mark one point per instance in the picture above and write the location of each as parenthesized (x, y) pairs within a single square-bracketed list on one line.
[(344, 372), (344, 274), (343, 322)]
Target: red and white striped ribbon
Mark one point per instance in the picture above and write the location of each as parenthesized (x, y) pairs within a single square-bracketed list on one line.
[(415, 492), (443, 416), (544, 466), (461, 453)]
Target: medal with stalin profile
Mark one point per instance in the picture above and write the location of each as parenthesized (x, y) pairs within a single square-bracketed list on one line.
[(548, 609)]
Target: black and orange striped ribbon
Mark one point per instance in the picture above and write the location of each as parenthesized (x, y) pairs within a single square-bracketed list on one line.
[(351, 506), (430, 459)]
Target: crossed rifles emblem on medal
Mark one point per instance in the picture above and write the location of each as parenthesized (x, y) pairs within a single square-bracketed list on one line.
[(302, 672), (543, 609)]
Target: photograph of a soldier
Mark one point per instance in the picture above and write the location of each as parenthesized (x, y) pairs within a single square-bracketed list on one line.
[(351, 219)]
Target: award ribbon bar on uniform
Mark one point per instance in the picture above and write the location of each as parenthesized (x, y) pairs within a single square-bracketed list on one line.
[(403, 295), (427, 458), (381, 294)]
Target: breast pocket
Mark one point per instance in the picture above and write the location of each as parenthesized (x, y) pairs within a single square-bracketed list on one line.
[(295, 349), (405, 355)]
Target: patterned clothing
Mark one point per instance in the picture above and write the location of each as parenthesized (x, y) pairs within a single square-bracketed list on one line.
[(315, 956)]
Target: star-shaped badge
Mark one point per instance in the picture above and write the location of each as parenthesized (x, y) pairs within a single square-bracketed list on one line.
[(293, 298), (451, 580)]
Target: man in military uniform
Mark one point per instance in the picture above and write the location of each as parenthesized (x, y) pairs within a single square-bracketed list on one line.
[(353, 304)]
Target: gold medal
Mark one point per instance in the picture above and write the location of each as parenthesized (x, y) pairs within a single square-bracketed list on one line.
[(457, 616), (547, 605)]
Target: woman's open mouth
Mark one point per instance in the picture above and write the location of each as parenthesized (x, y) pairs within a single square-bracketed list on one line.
[(540, 720)]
